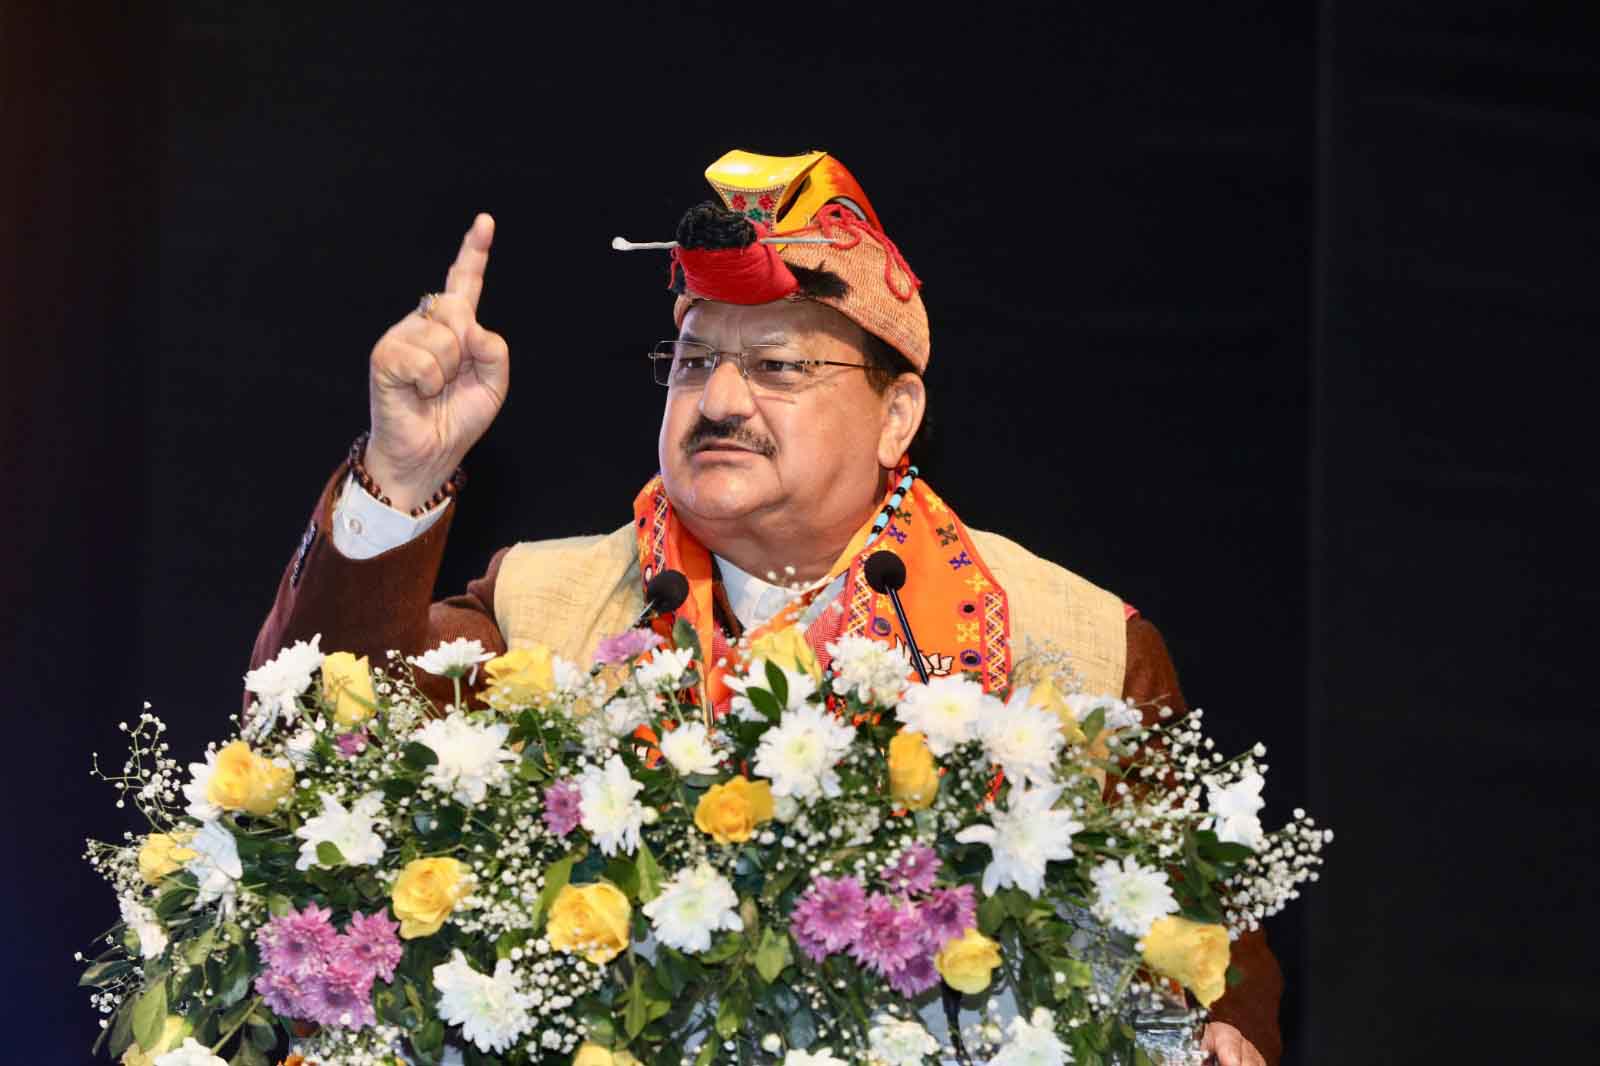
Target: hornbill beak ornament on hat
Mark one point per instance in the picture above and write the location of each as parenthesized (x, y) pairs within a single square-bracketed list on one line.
[(805, 211)]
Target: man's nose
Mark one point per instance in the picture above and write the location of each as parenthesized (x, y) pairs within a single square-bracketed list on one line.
[(726, 395)]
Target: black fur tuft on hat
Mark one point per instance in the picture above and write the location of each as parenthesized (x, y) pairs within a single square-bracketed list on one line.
[(710, 226)]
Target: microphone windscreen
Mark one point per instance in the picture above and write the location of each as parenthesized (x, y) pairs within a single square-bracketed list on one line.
[(667, 591), (885, 571)]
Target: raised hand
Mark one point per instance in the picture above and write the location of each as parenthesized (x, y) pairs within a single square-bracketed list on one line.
[(436, 382)]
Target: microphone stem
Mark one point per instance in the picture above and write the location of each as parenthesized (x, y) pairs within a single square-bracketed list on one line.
[(911, 641)]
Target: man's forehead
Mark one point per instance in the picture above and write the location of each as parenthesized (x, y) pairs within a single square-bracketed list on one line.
[(775, 322)]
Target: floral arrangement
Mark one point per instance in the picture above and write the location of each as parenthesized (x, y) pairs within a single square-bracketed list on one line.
[(576, 866)]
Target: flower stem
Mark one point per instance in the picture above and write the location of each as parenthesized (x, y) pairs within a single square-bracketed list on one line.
[(236, 1025)]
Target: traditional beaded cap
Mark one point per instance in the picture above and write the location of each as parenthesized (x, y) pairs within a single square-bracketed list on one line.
[(814, 196)]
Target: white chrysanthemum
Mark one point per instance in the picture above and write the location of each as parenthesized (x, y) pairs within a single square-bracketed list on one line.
[(200, 807), (471, 757), (801, 685), (492, 1010), (1023, 739), (946, 711), (1023, 838), (145, 925), (607, 807), (871, 670), (822, 1056), (1236, 810), (1119, 715), (689, 749), (1032, 1042), (297, 749), (1131, 897), (622, 715), (216, 866), (798, 754), (664, 670), (278, 681), (189, 1053), (453, 658), (570, 679), (895, 1042), (348, 830), (693, 906)]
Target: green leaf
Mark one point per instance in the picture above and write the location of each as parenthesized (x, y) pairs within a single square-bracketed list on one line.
[(555, 879), (328, 854), (731, 1012), (102, 972), (723, 949), (1234, 976), (778, 683), (802, 1028), (636, 1016), (991, 915), (248, 1055), (279, 905), (398, 788), (708, 1051), (121, 1031), (150, 1015), (235, 977), (1093, 725), (418, 756), (765, 702), (772, 954), (671, 973), (649, 874), (621, 872), (776, 885), (684, 636)]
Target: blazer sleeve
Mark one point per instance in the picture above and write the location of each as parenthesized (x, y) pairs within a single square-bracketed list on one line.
[(369, 606), (1251, 1006)]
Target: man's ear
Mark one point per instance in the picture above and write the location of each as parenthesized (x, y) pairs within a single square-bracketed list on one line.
[(904, 402)]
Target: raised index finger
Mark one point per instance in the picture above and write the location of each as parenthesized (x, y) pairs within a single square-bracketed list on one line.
[(466, 273)]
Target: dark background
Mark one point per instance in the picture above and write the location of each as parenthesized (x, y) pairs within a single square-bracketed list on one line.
[(1273, 317)]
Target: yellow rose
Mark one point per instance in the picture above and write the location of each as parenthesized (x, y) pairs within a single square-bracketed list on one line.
[(163, 853), (173, 1030), (787, 648), (425, 893), (966, 962), (913, 778), (519, 677), (241, 780), (595, 1055), (1047, 697), (591, 920), (346, 683), (730, 812), (1195, 954)]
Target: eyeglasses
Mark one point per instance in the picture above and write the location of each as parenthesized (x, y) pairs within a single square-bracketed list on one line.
[(770, 368)]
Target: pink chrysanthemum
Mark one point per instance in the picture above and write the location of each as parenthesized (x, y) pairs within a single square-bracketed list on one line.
[(370, 941), (630, 643), (890, 937), (829, 917), (917, 976), (913, 872), (562, 807), (946, 914), (284, 993), (299, 942), (351, 744), (342, 995)]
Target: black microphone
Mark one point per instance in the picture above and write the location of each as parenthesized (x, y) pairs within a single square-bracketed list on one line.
[(886, 573), (664, 594)]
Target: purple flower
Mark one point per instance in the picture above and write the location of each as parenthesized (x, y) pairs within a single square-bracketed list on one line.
[(891, 936), (285, 994), (351, 744), (917, 976), (829, 917), (562, 807), (947, 914), (913, 872), (628, 644), (298, 943), (369, 940), (342, 995)]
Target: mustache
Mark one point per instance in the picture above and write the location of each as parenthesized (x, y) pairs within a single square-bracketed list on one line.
[(727, 430)]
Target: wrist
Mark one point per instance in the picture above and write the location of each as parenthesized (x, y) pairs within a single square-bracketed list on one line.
[(416, 494)]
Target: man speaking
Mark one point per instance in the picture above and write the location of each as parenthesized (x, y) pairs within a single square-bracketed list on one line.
[(794, 396)]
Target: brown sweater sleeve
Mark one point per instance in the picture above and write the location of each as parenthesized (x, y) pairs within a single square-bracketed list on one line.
[(1251, 1006), (369, 606)]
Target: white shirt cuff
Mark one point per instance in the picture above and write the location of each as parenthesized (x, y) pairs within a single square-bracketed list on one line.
[(363, 527)]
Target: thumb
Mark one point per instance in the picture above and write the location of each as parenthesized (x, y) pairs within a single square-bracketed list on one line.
[(491, 359)]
